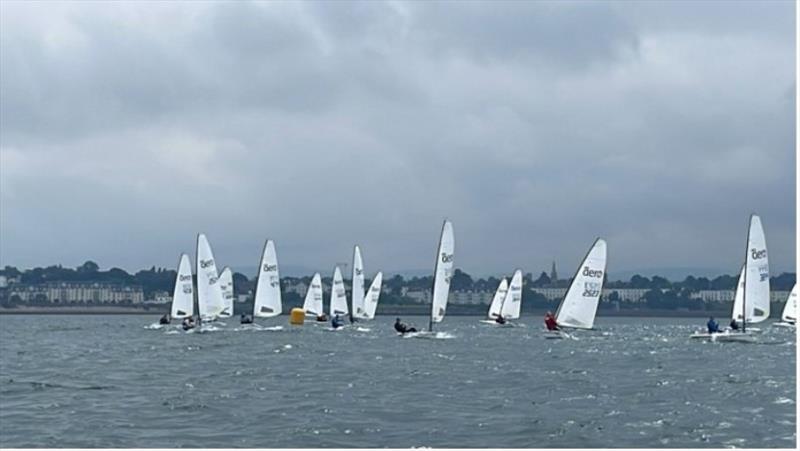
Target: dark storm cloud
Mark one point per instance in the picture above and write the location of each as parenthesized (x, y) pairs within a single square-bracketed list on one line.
[(535, 126)]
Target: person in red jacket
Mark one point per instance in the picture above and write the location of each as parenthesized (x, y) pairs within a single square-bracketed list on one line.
[(550, 321)]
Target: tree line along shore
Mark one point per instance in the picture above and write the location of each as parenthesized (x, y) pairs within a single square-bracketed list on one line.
[(654, 296)]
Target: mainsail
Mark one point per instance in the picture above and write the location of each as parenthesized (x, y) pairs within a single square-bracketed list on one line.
[(738, 300), (357, 292), (790, 309), (512, 302), (313, 302), (226, 287), (443, 273), (209, 295), (183, 295), (579, 306), (267, 301), (372, 296), (338, 304), (497, 300), (756, 279)]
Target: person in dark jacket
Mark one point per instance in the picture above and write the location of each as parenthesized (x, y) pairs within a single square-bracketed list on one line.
[(165, 319), (336, 322), (500, 319), (712, 325), (402, 327), (734, 325)]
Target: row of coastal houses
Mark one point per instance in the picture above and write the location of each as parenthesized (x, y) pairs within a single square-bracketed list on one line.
[(66, 293)]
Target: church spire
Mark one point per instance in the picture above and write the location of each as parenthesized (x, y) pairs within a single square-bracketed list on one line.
[(553, 273)]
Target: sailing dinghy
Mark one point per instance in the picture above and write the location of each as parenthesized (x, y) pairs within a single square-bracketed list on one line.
[(357, 291), (372, 296), (226, 287), (443, 273), (267, 298), (313, 301), (338, 304), (209, 294), (183, 294), (753, 286), (497, 302), (789, 315), (579, 306)]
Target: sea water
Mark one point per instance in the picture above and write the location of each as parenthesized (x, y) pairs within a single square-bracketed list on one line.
[(117, 381)]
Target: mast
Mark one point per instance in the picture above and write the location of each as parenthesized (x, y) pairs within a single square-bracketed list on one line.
[(744, 281), (435, 273)]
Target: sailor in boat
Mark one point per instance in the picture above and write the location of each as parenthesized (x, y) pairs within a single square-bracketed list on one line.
[(713, 327), (246, 319), (402, 327), (550, 321), (500, 320), (336, 322), (188, 323), (165, 319), (734, 325), (323, 318)]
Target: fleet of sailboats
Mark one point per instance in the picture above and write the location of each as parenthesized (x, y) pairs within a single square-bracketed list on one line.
[(213, 292)]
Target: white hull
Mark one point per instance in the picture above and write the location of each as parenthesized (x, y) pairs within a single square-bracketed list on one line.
[(724, 337), (785, 325), (492, 322)]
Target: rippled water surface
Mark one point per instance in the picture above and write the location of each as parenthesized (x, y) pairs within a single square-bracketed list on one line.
[(89, 381)]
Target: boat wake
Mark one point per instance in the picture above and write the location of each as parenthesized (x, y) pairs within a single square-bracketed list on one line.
[(429, 335)]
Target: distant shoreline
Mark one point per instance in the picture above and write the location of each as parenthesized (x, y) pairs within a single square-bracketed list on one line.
[(389, 311)]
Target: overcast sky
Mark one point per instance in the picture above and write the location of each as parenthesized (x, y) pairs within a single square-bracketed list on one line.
[(126, 129)]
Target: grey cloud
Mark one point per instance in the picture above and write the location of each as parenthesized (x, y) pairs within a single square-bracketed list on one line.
[(534, 126)]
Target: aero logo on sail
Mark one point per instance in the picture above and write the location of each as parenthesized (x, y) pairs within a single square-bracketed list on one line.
[(592, 272), (206, 263), (757, 254), (446, 258), (268, 267)]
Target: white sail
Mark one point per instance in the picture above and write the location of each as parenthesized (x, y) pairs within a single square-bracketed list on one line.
[(372, 296), (443, 272), (512, 302), (357, 292), (209, 295), (183, 295), (756, 281), (313, 302), (579, 306), (790, 309), (226, 287), (497, 300), (267, 301), (338, 305), (738, 299)]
